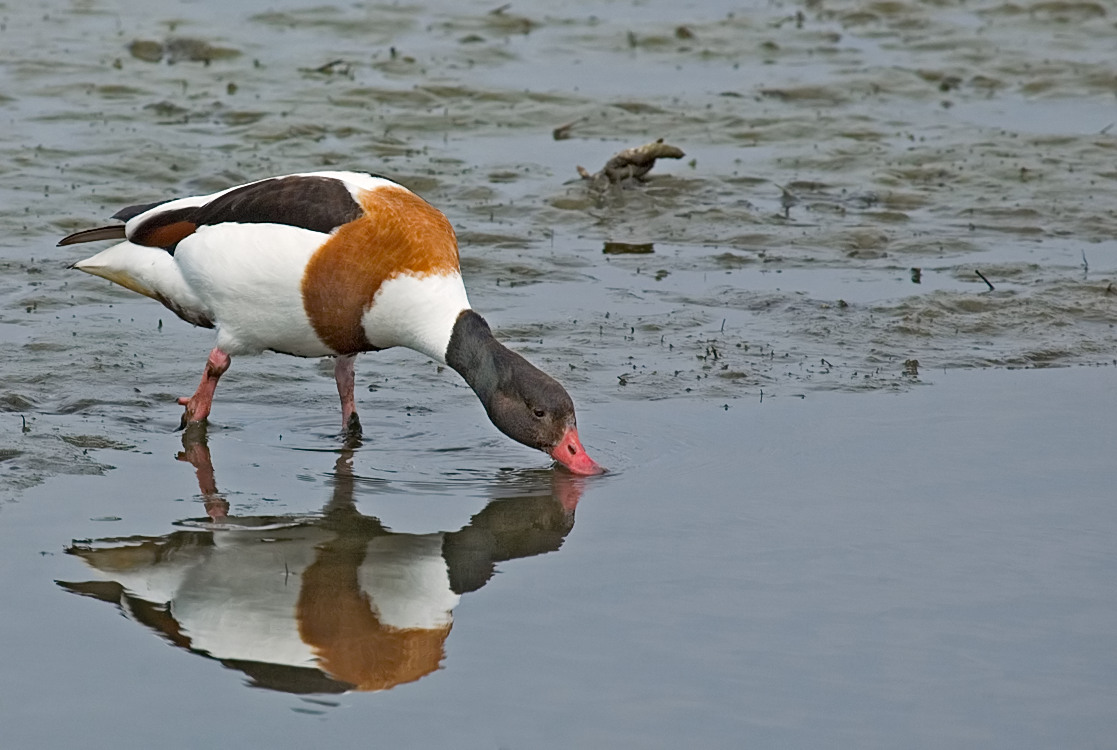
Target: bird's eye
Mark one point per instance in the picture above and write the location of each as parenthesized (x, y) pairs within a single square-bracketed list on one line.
[(539, 413)]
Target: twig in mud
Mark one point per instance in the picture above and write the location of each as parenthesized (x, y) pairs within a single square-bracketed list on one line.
[(500, 10), (1085, 264), (979, 273), (339, 67), (633, 163), (562, 132)]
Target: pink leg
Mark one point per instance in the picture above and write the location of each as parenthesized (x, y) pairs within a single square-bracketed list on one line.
[(343, 374), (198, 405)]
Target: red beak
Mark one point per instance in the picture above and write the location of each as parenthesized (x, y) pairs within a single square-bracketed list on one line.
[(570, 453)]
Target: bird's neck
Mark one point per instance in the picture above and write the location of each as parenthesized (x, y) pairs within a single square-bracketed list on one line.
[(478, 357)]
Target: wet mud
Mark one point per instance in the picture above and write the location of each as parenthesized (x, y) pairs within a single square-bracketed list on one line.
[(835, 147)]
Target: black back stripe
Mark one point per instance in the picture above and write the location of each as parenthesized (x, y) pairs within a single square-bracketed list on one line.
[(320, 204)]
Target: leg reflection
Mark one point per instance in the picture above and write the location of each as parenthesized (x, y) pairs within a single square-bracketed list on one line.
[(195, 451)]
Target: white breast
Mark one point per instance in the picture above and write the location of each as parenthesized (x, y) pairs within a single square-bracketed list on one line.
[(416, 311)]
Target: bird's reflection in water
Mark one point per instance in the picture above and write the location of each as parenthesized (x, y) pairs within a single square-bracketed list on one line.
[(318, 604)]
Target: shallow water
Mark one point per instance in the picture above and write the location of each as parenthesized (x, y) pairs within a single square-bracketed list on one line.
[(930, 568), (846, 508)]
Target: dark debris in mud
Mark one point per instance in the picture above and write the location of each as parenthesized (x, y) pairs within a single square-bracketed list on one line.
[(631, 164)]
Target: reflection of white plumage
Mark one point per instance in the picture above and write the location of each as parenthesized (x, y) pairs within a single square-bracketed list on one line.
[(321, 603), (406, 579), (241, 599)]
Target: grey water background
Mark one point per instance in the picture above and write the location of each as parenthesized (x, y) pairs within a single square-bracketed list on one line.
[(858, 497)]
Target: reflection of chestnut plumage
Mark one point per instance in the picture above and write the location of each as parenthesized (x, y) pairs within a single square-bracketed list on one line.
[(328, 264), (324, 603)]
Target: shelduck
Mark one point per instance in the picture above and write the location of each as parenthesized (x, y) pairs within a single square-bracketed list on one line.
[(328, 264)]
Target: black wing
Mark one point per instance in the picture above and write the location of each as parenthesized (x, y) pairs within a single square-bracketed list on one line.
[(321, 204)]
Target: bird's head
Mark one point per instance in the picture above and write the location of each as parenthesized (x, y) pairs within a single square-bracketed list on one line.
[(524, 403)]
